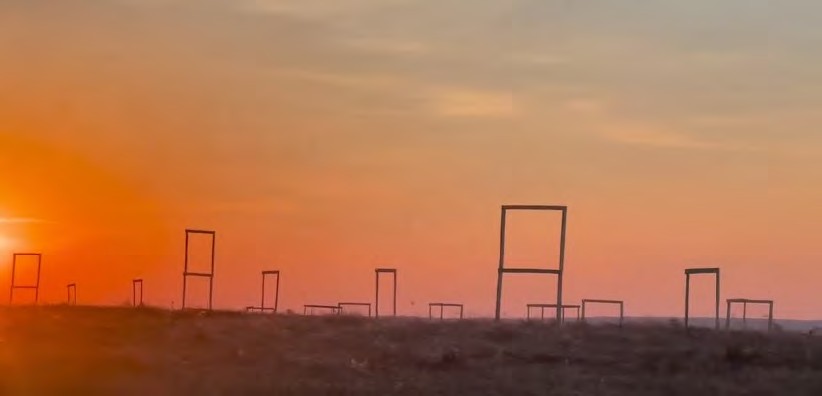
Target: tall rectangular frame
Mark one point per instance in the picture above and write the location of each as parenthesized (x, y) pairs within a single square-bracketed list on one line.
[(14, 286), (134, 284), (209, 275), (71, 294), (587, 301), (700, 271), (745, 302), (558, 272), (276, 294), (378, 272)]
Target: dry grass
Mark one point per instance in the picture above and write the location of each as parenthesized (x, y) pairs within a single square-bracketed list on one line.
[(87, 351)]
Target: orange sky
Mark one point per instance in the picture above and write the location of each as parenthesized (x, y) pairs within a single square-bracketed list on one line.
[(326, 138)]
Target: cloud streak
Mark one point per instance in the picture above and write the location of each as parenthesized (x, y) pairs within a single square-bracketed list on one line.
[(21, 220)]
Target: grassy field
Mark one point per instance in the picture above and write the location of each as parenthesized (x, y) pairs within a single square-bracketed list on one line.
[(118, 351)]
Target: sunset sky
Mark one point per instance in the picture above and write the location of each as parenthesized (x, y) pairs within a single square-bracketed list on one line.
[(325, 138)]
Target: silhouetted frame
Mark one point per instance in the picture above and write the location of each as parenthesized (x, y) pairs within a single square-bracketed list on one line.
[(621, 304), (71, 294), (342, 306), (502, 270), (14, 286), (378, 272), (745, 302), (276, 306), (442, 307), (700, 271), (136, 286), (308, 309), (208, 275), (542, 308)]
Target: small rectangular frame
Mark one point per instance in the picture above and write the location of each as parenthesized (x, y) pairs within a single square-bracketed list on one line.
[(71, 294), (335, 309), (558, 272), (745, 302), (209, 275), (342, 306), (442, 307), (554, 306), (252, 308), (134, 301), (14, 286), (263, 308), (378, 272), (700, 271), (586, 301)]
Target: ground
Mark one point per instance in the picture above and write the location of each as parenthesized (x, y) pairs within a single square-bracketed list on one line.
[(120, 351)]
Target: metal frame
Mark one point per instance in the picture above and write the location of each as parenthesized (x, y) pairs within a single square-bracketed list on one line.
[(209, 275), (621, 304), (335, 309), (71, 297), (134, 284), (558, 272), (442, 307), (276, 294), (745, 302), (14, 286), (561, 309), (354, 304), (378, 271), (700, 271)]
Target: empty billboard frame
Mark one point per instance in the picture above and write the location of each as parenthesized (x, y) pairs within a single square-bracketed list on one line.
[(700, 271), (745, 302), (442, 307), (208, 275), (502, 270), (378, 272), (14, 286), (620, 303)]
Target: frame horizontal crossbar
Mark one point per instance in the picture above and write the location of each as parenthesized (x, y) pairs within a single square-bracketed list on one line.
[(200, 274), (596, 301), (445, 305), (321, 306), (206, 232), (749, 301), (693, 271), (552, 306), (354, 304), (534, 207), (529, 271)]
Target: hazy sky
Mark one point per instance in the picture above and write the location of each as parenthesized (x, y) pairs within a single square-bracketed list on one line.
[(328, 137)]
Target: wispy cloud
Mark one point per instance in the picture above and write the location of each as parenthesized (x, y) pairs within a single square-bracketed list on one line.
[(434, 99), (461, 102), (20, 220), (539, 59), (387, 46), (316, 8)]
